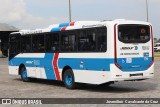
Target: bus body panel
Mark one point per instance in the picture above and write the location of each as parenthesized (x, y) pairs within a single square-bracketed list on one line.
[(118, 75), (42, 66), (134, 56)]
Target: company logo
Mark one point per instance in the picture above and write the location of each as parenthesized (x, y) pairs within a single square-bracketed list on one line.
[(6, 101), (136, 48), (129, 48)]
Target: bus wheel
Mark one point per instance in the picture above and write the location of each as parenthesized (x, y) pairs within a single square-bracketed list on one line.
[(68, 79), (24, 76)]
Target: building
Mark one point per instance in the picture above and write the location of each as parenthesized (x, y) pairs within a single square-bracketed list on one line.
[(5, 30)]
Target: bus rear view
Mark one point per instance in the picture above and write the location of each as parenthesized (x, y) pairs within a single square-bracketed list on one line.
[(133, 52)]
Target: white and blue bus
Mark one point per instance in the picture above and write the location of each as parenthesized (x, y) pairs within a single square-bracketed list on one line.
[(92, 52)]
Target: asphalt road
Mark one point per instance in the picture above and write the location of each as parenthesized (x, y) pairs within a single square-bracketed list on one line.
[(12, 87)]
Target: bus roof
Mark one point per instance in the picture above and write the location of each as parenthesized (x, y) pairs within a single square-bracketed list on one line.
[(77, 25)]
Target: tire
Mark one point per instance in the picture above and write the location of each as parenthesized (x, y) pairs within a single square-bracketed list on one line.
[(24, 76), (69, 80)]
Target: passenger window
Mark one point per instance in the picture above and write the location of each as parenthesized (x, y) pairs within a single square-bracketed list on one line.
[(52, 42), (38, 43), (87, 40), (92, 39), (68, 42), (26, 44), (101, 39)]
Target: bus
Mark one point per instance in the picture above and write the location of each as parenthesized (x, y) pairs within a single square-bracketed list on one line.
[(90, 52)]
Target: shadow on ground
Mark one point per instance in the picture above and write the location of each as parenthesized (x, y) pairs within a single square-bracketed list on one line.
[(118, 87)]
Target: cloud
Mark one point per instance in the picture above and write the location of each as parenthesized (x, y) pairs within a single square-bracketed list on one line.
[(32, 22), (31, 14), (11, 10), (14, 12)]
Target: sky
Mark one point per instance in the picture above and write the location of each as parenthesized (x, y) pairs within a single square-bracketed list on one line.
[(32, 14)]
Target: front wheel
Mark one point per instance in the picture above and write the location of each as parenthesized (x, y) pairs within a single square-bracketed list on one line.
[(68, 79), (24, 75)]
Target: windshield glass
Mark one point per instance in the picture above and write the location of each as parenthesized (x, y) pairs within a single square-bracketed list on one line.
[(133, 33)]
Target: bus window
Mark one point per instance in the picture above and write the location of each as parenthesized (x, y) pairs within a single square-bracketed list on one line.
[(26, 44), (68, 42), (52, 42), (101, 39), (38, 43), (87, 40), (134, 33)]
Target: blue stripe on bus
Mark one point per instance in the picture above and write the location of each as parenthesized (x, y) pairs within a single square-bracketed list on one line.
[(60, 27), (45, 63), (64, 24), (137, 64), (56, 29), (94, 64), (89, 63)]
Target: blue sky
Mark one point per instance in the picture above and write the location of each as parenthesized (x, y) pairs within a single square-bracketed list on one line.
[(31, 14)]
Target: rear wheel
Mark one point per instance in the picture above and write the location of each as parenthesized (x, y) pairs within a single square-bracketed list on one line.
[(68, 79), (24, 75)]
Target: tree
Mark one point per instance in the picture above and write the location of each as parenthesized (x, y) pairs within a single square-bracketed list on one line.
[(155, 40)]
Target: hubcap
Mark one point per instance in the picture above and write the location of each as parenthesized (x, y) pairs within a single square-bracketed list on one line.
[(68, 79), (24, 74)]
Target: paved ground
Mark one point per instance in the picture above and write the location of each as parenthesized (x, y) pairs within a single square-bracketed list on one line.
[(12, 86)]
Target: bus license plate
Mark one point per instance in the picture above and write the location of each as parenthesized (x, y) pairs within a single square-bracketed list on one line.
[(139, 74)]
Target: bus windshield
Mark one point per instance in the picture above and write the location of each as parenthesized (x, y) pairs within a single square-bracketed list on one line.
[(133, 33)]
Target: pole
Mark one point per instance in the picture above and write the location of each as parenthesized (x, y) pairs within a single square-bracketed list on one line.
[(70, 19), (147, 9)]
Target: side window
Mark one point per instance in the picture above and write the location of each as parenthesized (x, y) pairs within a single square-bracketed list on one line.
[(52, 42), (87, 40), (26, 44), (68, 41), (38, 43), (14, 45), (101, 39)]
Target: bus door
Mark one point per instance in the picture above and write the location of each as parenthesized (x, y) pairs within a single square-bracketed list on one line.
[(133, 50), (14, 47)]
